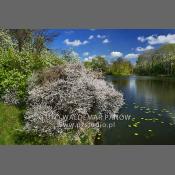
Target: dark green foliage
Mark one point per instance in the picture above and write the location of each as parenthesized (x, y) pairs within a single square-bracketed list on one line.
[(69, 138), (41, 38), (157, 62), (21, 36)]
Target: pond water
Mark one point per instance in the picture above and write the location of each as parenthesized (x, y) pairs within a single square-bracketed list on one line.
[(150, 101)]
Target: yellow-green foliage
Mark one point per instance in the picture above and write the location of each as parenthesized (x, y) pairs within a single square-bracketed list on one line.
[(118, 67), (5, 39), (9, 123), (17, 64), (121, 67), (16, 67), (97, 64)]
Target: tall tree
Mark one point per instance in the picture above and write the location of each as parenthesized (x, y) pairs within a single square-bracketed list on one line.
[(22, 36), (98, 64), (121, 67), (42, 37), (157, 62)]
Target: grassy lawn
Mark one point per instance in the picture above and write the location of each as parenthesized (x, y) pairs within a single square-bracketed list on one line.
[(9, 123)]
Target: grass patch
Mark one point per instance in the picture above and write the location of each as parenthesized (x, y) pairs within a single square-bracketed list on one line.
[(11, 133), (10, 122)]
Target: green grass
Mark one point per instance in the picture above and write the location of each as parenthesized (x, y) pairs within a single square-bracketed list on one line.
[(11, 131), (10, 122)]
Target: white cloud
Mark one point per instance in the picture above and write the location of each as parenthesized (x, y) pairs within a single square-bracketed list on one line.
[(161, 39), (89, 58), (85, 53), (141, 49), (131, 56), (141, 38), (75, 42), (101, 36), (116, 54), (105, 41), (91, 37), (85, 42)]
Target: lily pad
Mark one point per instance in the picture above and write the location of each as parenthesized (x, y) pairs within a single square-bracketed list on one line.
[(135, 126), (171, 124)]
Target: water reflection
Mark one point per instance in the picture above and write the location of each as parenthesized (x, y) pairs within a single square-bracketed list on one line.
[(151, 103), (159, 90)]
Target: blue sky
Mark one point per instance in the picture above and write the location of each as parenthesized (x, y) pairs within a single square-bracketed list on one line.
[(111, 43)]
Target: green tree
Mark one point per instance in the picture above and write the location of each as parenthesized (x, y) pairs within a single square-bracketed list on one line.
[(42, 37), (5, 39), (121, 67), (157, 62), (21, 36), (97, 64)]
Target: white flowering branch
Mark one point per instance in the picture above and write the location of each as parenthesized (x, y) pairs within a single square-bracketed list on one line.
[(74, 91)]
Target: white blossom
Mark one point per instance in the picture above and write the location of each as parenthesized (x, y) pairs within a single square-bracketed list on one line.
[(77, 92)]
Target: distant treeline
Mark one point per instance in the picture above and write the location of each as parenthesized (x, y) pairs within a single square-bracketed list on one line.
[(153, 62), (120, 66), (157, 62)]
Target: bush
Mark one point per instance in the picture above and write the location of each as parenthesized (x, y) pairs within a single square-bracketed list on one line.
[(16, 67), (5, 39), (12, 86), (76, 93), (69, 138)]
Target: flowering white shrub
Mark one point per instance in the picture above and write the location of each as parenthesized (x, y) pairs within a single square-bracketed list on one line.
[(5, 39), (10, 97), (73, 92)]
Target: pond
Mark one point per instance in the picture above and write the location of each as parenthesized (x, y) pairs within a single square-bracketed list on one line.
[(150, 101)]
